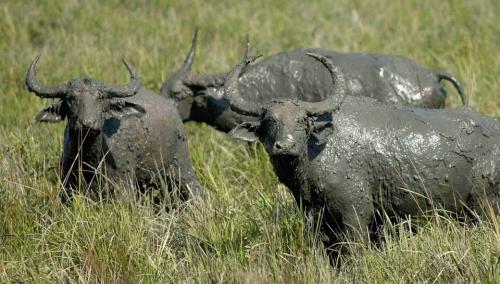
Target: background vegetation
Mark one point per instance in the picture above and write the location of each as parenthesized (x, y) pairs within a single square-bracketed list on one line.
[(250, 230)]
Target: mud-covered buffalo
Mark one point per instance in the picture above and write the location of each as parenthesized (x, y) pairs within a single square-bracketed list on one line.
[(348, 158), (294, 75), (119, 133)]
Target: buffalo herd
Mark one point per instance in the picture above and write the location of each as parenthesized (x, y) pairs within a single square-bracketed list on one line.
[(355, 137)]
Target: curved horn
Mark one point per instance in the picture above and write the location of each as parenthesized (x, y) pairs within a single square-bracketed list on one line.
[(34, 86), (186, 66), (231, 92), (456, 83), (337, 95), (124, 90)]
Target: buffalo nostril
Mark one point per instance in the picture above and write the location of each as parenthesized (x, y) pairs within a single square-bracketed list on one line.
[(279, 146)]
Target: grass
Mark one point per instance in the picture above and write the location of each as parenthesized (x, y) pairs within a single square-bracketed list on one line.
[(250, 230)]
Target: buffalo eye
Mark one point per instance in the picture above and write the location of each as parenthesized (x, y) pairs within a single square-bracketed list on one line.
[(101, 96), (115, 105), (309, 124), (70, 101)]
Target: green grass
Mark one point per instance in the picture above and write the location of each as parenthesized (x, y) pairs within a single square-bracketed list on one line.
[(249, 230)]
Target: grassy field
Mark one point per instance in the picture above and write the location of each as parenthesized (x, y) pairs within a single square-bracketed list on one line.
[(250, 229)]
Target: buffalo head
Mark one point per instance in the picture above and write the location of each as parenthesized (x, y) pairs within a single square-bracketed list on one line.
[(285, 127), (85, 102)]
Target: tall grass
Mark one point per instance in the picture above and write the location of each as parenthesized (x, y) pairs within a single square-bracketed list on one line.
[(249, 230)]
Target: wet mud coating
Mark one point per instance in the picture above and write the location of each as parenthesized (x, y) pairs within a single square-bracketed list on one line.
[(294, 75), (120, 133), (348, 158)]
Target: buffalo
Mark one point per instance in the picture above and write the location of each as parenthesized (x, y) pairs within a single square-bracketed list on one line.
[(118, 133), (294, 75), (349, 157)]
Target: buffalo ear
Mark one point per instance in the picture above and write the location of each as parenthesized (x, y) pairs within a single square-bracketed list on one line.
[(125, 109), (52, 113), (321, 131), (245, 131)]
